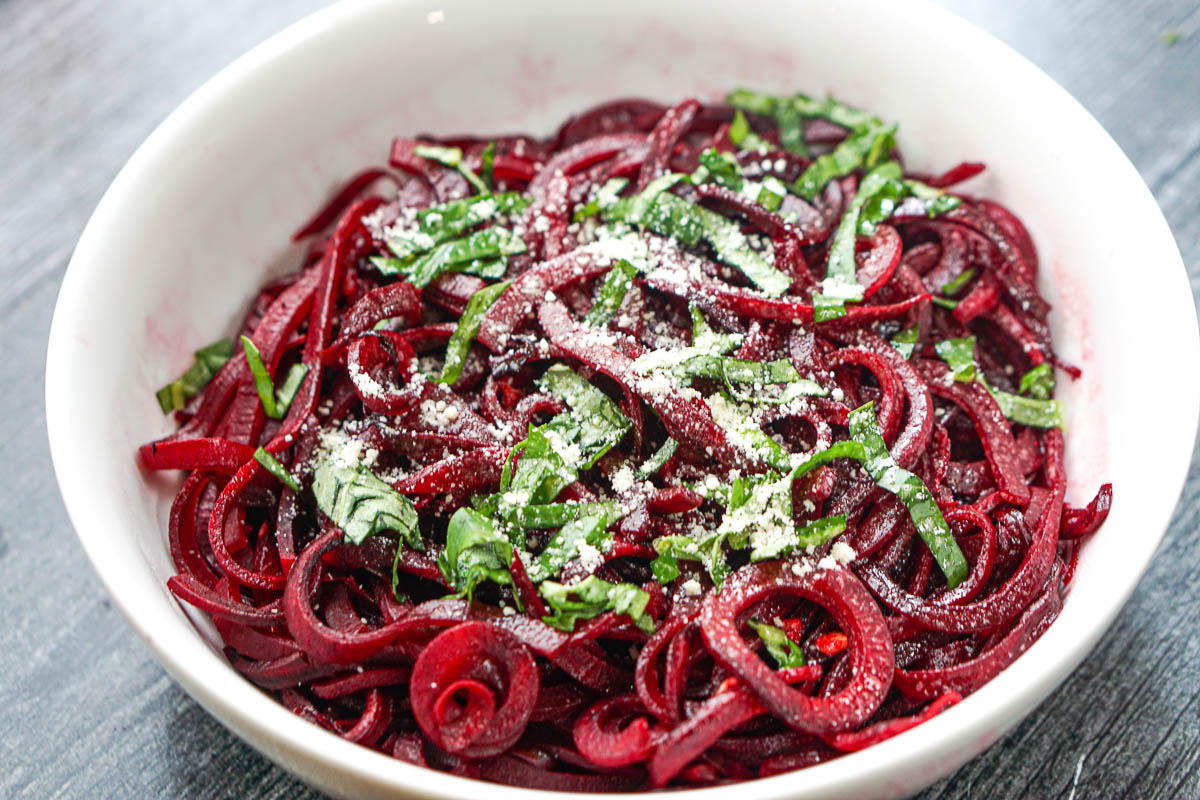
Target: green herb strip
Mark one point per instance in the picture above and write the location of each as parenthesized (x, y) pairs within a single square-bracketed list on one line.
[(1036, 412), (592, 597), (474, 553), (906, 340), (361, 504), (467, 329), (207, 361), (611, 294), (273, 466), (262, 379), (785, 652), (912, 491), (667, 215), (452, 157)]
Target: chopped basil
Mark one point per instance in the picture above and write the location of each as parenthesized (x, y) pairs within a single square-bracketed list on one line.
[(1028, 410), (475, 553), (874, 201), (606, 197), (791, 129), (553, 515), (1036, 412), (483, 253), (592, 597), (358, 502), (912, 491), (752, 101), (944, 302), (451, 157), (864, 147), (487, 165), (743, 136), (611, 294), (937, 201), (690, 224), (960, 355), (468, 328), (272, 465), (595, 423), (771, 195), (785, 652), (262, 379), (564, 547), (446, 221), (721, 168), (906, 340), (206, 363), (960, 281), (553, 454), (1038, 382), (656, 462)]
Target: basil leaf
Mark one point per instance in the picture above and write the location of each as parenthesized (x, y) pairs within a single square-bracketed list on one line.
[(1038, 382), (359, 503), (553, 515), (690, 224), (291, 385), (474, 553), (722, 168), (960, 355), (863, 148), (446, 221), (482, 253), (592, 597), (262, 378), (960, 281), (447, 156), (451, 157), (595, 423), (468, 328), (785, 652), (708, 550), (272, 465), (937, 201), (207, 361), (611, 294), (656, 462), (564, 547), (606, 197), (1035, 412), (791, 128), (1029, 411), (771, 195), (743, 136), (487, 165), (912, 491), (906, 340), (874, 201)]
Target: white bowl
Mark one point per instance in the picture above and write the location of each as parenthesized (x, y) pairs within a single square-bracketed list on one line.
[(190, 226)]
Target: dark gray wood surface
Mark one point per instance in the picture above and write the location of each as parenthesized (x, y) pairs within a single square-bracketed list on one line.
[(85, 712)]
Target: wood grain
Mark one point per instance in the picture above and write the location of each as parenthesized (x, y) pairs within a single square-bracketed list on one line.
[(87, 713)]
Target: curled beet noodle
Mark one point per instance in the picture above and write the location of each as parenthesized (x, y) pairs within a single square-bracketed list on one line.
[(555, 467)]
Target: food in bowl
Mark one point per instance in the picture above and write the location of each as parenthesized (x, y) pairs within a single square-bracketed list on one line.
[(689, 445)]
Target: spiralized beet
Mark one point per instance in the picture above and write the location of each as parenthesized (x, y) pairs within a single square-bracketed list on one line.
[(609, 551)]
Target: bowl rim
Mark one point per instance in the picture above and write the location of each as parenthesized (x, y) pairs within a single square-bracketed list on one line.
[(267, 726)]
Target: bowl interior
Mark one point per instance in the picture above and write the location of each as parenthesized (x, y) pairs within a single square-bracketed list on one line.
[(202, 214)]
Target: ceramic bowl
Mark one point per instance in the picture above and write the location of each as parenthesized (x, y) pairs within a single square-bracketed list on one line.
[(201, 214)]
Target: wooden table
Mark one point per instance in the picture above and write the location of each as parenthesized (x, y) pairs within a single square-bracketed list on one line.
[(86, 712)]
